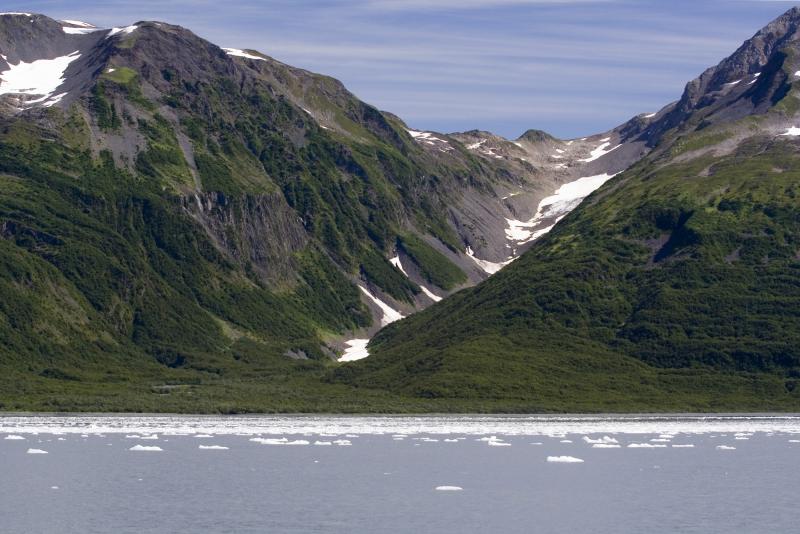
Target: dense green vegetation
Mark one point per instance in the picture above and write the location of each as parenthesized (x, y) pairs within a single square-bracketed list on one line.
[(433, 265), (674, 285)]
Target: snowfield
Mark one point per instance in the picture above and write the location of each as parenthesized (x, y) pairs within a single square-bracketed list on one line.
[(38, 78)]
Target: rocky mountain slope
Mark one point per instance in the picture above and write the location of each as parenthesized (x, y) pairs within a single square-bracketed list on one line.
[(179, 218), (672, 287)]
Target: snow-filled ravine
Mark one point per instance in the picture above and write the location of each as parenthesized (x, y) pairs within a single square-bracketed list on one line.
[(551, 210)]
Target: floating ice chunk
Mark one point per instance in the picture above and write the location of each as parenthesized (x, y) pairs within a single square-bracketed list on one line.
[(451, 440), (212, 448), (725, 448), (449, 488), (498, 444), (606, 446), (356, 350), (564, 460), (661, 440), (646, 446), (124, 31), (146, 448), (793, 131), (323, 443), (153, 437), (603, 440), (794, 441), (203, 436), (565, 441), (390, 315), (133, 436), (54, 487), (537, 443), (36, 451), (342, 442), (682, 446), (13, 437), (600, 151)]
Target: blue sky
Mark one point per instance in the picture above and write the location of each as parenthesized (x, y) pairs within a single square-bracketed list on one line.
[(570, 67)]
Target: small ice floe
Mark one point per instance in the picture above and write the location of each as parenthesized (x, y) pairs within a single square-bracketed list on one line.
[(606, 446), (600, 441), (146, 448), (537, 443), (646, 446), (398, 439), (203, 436), (54, 487), (133, 436), (793, 131), (62, 439), (661, 440), (152, 437), (270, 441), (450, 440), (682, 446), (13, 437), (323, 443), (241, 53), (498, 444), (725, 448), (342, 442), (449, 488), (36, 451), (565, 441), (564, 460), (212, 448)]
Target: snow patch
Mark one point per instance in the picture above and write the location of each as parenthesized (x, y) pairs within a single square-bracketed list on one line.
[(124, 31), (356, 350), (564, 460), (489, 267), (600, 151), (241, 53), (390, 315), (77, 31), (41, 78), (429, 294), (79, 23), (793, 131), (396, 262)]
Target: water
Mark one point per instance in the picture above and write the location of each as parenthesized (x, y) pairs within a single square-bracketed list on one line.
[(386, 479)]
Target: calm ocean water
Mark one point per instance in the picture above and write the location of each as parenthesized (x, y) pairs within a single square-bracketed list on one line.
[(381, 474)]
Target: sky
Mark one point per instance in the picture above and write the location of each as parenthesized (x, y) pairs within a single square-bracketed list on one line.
[(569, 67)]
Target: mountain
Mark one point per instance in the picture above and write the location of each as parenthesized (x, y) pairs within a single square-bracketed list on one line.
[(187, 227), (674, 286)]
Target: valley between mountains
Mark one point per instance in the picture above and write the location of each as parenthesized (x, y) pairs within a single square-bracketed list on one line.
[(191, 228)]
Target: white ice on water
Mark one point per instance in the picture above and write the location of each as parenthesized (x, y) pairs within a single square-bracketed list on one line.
[(449, 488), (13, 437), (646, 446), (603, 440), (146, 448), (36, 451), (725, 448), (212, 447), (564, 460)]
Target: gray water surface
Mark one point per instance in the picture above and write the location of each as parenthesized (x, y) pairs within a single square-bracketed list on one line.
[(385, 479)]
